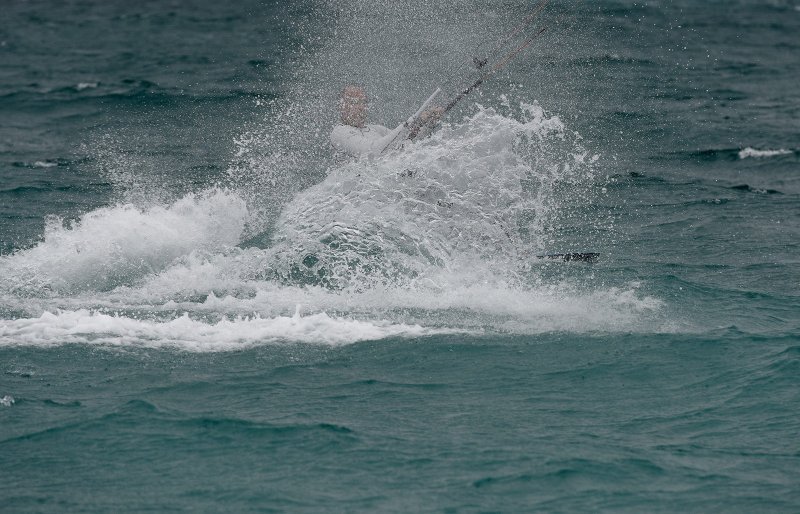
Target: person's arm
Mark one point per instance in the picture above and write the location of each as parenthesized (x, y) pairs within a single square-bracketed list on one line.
[(409, 123), (425, 122), (384, 142)]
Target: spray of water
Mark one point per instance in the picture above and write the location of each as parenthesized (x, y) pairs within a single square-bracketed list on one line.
[(300, 244)]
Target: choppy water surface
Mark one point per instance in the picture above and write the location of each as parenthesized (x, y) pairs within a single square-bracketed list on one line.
[(201, 301)]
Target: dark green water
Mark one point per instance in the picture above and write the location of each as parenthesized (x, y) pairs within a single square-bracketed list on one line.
[(203, 308)]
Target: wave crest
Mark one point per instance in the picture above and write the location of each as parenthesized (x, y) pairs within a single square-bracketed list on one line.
[(118, 245)]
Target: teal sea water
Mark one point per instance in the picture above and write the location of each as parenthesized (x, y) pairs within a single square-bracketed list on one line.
[(204, 308)]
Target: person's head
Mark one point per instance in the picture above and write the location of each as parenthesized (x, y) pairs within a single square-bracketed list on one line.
[(353, 106)]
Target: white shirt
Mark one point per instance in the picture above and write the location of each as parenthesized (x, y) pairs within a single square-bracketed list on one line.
[(370, 140)]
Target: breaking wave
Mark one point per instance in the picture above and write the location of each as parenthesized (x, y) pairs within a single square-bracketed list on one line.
[(754, 153)]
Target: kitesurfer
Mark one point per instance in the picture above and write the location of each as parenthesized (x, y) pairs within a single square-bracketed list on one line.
[(356, 137)]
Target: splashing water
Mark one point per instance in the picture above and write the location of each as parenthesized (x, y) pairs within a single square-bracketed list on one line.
[(119, 245), (436, 238), (453, 203)]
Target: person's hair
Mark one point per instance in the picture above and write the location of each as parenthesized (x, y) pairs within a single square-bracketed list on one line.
[(353, 90), (353, 106)]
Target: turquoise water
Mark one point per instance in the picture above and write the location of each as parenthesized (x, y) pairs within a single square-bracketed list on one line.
[(203, 308)]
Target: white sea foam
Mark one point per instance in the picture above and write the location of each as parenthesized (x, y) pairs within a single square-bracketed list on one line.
[(7, 401), (84, 326), (263, 315), (86, 85), (483, 305), (754, 153)]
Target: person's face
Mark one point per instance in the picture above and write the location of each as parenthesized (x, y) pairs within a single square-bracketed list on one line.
[(353, 107)]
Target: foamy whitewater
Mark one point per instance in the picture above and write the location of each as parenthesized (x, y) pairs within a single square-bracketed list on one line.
[(441, 237)]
